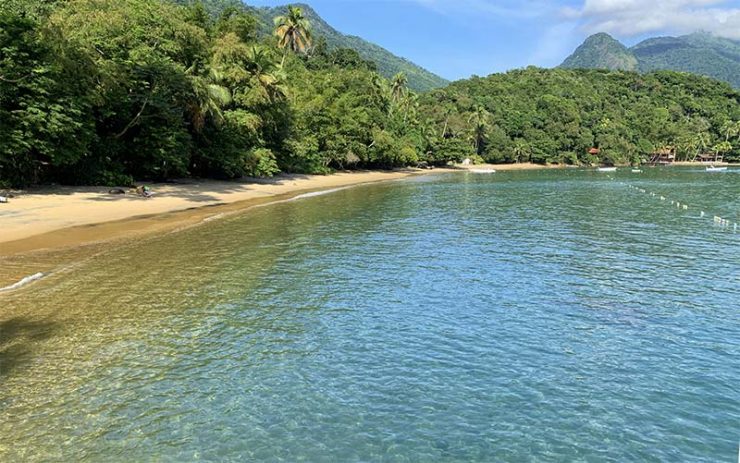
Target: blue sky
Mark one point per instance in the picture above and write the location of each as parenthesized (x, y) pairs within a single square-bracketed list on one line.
[(460, 38)]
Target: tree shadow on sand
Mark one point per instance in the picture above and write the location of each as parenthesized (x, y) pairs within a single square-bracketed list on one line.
[(17, 339)]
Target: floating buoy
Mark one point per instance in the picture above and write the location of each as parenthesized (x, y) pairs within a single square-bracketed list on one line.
[(685, 207)]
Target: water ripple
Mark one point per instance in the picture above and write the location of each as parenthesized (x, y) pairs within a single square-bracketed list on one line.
[(525, 316)]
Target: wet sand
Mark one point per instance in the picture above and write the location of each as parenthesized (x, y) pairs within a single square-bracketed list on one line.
[(43, 228), (56, 216)]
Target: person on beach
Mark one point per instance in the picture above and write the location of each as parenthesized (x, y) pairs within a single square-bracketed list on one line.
[(144, 191)]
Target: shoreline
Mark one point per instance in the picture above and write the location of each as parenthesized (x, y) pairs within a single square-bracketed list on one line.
[(53, 217), (46, 230)]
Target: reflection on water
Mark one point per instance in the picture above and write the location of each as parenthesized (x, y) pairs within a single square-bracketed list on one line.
[(523, 315)]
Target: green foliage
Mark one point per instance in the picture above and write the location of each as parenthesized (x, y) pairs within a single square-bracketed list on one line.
[(601, 51), (45, 105), (556, 116), (105, 91), (388, 65), (260, 162), (700, 53)]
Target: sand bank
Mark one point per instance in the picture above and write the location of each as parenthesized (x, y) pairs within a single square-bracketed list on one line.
[(53, 217)]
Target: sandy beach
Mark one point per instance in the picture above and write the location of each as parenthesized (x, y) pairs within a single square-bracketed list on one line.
[(57, 216)]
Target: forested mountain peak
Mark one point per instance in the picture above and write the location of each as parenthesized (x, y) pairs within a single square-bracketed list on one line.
[(388, 64), (701, 53), (601, 51)]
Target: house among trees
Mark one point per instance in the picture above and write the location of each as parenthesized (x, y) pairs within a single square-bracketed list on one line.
[(663, 156), (710, 157), (594, 151)]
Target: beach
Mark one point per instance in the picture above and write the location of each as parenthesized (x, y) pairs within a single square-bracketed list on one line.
[(52, 217), (60, 216), (333, 326)]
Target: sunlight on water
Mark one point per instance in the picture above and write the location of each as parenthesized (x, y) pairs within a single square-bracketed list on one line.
[(554, 315)]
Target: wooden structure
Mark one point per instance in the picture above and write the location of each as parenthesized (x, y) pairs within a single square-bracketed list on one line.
[(710, 158), (663, 156), (594, 151)]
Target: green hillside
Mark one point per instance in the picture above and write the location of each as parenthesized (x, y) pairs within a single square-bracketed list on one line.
[(558, 115), (419, 79), (700, 53), (601, 51), (388, 64)]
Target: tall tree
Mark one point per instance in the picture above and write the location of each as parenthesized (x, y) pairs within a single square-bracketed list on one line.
[(480, 121), (293, 31), (398, 87)]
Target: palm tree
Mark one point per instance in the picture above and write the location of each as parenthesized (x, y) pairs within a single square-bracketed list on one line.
[(700, 142), (722, 147), (729, 129), (269, 76), (398, 87), (293, 31), (521, 149), (207, 99), (480, 120), (381, 92)]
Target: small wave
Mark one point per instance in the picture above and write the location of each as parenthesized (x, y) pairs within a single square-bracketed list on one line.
[(24, 282), (214, 217), (317, 193)]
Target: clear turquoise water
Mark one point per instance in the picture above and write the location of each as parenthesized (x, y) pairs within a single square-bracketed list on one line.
[(521, 316)]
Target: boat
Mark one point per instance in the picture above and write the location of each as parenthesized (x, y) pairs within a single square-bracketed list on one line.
[(716, 169), (636, 171), (607, 169), (483, 171)]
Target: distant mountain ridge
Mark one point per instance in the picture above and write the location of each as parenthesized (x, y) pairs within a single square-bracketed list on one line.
[(389, 64), (419, 79), (602, 51), (699, 53)]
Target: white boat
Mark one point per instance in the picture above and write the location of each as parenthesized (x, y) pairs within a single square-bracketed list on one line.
[(716, 169), (483, 171), (607, 169), (636, 171)]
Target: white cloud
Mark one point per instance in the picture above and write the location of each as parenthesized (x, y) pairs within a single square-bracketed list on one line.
[(634, 17)]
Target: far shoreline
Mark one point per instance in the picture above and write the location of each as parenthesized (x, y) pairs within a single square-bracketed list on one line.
[(45, 226), (53, 217)]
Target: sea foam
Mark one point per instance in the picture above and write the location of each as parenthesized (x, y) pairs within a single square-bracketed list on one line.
[(23, 282)]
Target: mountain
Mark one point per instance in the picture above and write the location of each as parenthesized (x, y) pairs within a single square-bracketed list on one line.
[(700, 53), (388, 64), (419, 79), (602, 51)]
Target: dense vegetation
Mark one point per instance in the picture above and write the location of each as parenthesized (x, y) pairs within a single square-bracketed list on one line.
[(700, 53), (558, 115), (387, 64), (105, 91), (602, 51)]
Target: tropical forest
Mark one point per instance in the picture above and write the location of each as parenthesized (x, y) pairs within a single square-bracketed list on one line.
[(103, 92)]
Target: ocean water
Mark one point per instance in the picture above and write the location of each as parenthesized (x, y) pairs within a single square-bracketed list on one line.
[(519, 316)]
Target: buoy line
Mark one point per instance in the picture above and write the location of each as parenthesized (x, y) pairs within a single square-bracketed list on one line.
[(718, 220)]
